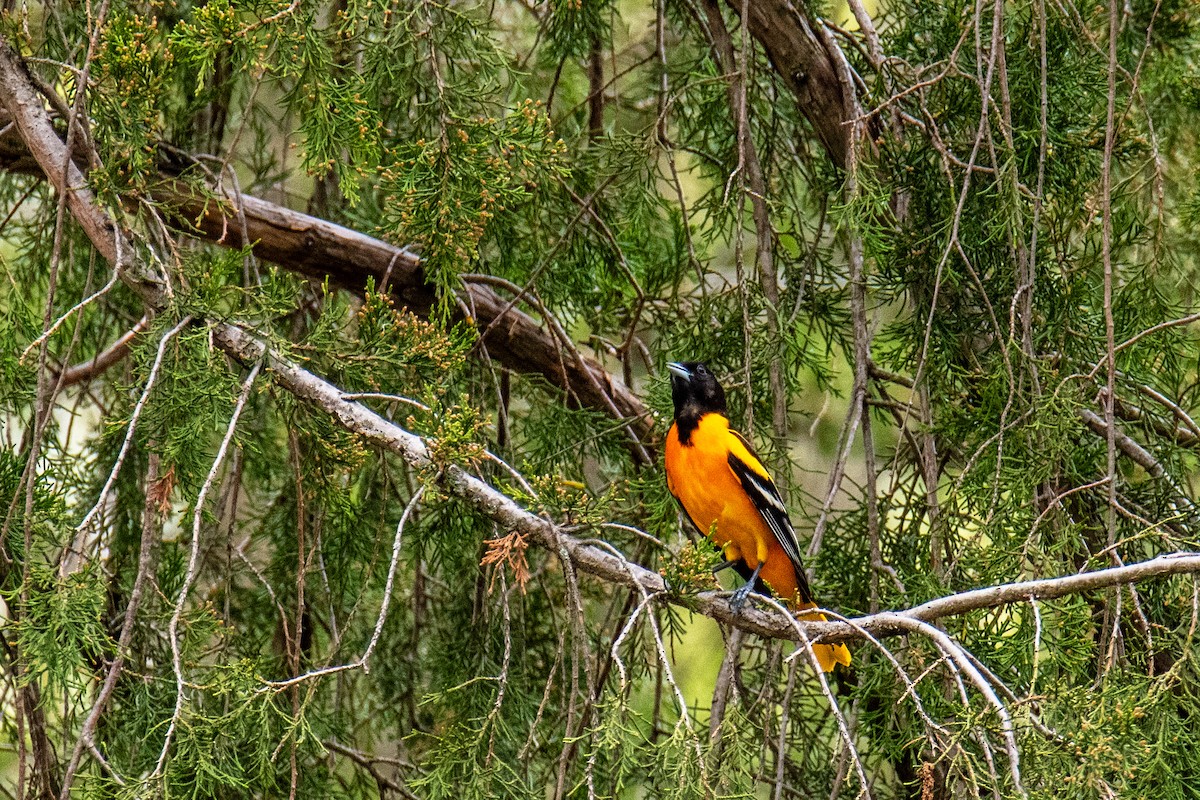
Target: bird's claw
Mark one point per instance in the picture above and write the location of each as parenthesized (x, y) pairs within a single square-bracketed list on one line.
[(737, 600)]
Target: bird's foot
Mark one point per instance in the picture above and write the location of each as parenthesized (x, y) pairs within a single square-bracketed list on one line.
[(739, 597), (738, 600)]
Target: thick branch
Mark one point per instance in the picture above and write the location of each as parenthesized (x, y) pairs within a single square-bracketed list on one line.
[(1136, 453), (41, 140), (787, 33), (892, 622), (312, 246), (49, 151)]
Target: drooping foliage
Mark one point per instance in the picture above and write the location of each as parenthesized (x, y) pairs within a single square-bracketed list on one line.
[(311, 616)]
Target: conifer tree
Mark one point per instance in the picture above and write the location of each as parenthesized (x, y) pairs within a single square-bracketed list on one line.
[(332, 364)]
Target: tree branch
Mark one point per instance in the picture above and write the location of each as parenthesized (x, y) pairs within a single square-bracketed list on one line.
[(99, 363), (43, 142), (787, 33), (317, 248), (1135, 452)]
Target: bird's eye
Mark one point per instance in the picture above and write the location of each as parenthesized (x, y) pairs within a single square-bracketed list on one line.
[(701, 370)]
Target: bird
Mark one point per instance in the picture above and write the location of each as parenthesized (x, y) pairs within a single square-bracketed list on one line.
[(729, 496)]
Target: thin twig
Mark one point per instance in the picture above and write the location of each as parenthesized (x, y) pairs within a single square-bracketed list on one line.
[(112, 281), (133, 420), (147, 557), (194, 562), (363, 661)]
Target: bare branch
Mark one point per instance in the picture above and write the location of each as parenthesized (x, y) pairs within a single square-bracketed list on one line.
[(789, 36), (1136, 453), (147, 559), (363, 661), (62, 319), (194, 561), (133, 420), (1171, 323), (502, 509), (109, 356)]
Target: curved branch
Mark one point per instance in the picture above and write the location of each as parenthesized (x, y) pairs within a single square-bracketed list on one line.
[(99, 363), (316, 247), (48, 148), (893, 622), (320, 249), (788, 34)]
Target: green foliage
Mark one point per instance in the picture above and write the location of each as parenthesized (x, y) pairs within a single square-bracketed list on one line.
[(691, 570), (126, 99), (389, 348), (228, 746), (575, 27), (196, 40), (443, 192), (458, 769), (20, 375), (61, 632), (193, 398), (616, 211)]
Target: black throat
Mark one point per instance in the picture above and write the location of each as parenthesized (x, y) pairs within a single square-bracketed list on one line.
[(687, 420), (694, 393)]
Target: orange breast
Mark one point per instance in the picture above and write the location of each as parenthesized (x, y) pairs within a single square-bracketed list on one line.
[(699, 476)]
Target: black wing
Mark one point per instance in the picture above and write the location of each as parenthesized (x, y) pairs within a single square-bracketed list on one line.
[(765, 497)]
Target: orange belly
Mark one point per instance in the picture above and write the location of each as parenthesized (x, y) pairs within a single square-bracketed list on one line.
[(699, 476)]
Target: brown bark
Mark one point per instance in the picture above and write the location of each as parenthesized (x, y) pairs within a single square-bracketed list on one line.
[(787, 33), (318, 248), (315, 247)]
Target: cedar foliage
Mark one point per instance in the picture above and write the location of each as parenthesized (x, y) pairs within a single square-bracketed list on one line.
[(473, 133)]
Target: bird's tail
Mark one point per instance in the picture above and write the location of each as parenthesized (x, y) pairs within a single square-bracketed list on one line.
[(827, 654)]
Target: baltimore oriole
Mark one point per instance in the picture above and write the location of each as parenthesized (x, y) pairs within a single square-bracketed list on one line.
[(728, 495)]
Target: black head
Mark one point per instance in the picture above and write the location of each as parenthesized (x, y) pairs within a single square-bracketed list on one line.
[(695, 392)]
